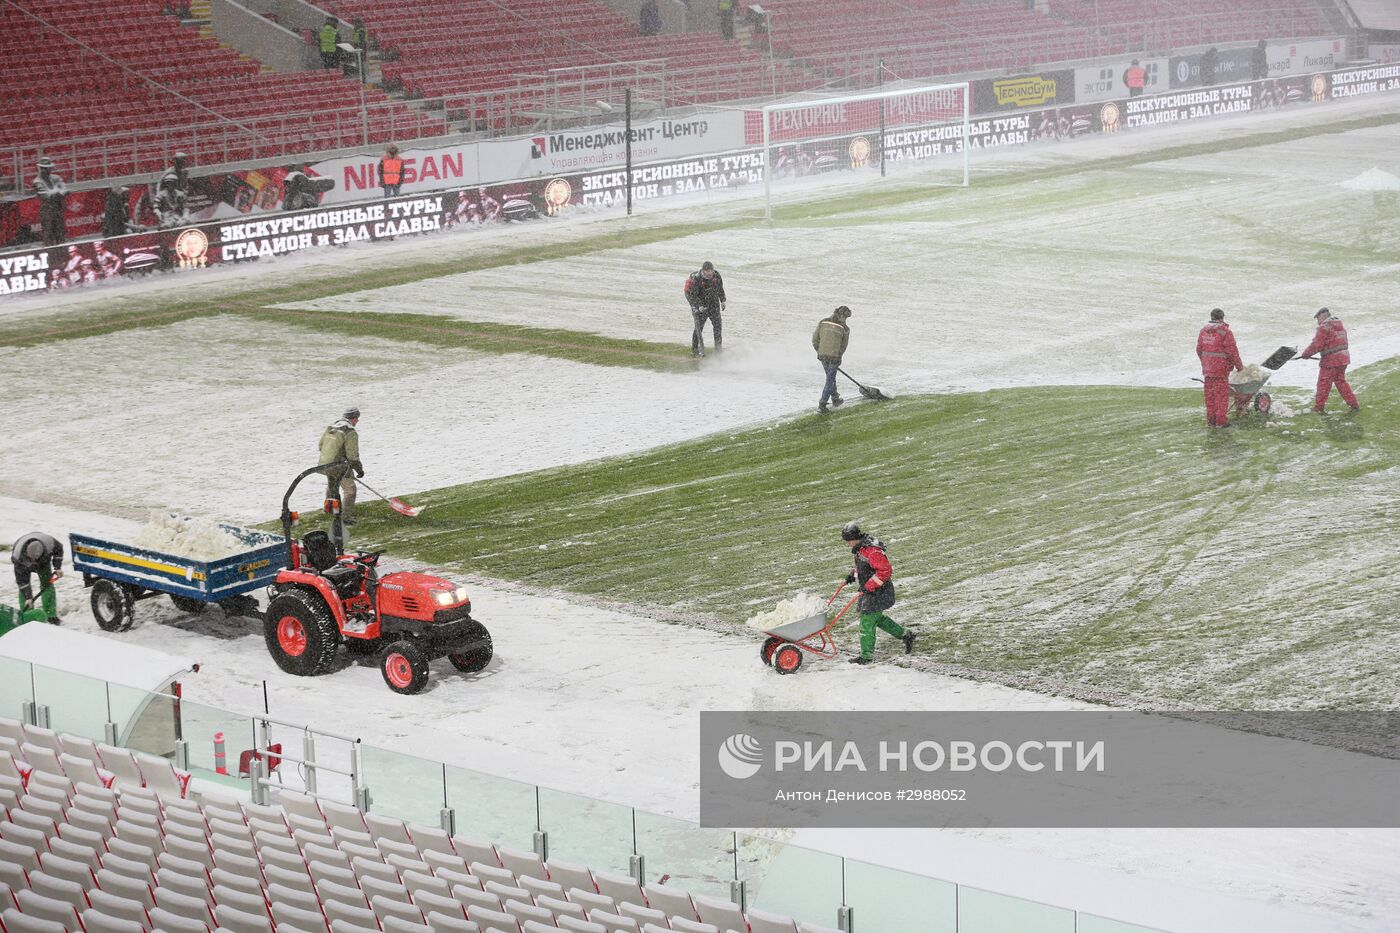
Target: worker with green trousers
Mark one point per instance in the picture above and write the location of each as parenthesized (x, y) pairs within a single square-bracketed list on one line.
[(876, 579), (41, 555), (329, 39)]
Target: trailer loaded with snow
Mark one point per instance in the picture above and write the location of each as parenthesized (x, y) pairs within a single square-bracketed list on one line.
[(121, 575)]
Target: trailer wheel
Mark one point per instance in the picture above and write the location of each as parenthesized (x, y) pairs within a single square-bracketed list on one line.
[(113, 606), (769, 646), (787, 659), (475, 650), (188, 604), (1263, 402), (405, 667), (301, 636)]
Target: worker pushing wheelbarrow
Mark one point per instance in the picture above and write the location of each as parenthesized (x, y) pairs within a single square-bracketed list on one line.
[(875, 577)]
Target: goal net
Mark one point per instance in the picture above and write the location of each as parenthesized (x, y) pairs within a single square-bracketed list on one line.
[(875, 133)]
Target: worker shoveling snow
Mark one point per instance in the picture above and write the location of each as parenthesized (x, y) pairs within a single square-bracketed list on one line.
[(182, 536), (788, 610)]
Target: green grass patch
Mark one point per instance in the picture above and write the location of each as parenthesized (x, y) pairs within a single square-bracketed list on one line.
[(1099, 536)]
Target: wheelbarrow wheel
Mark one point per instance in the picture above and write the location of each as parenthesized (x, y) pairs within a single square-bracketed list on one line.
[(787, 659), (1263, 402), (769, 646)]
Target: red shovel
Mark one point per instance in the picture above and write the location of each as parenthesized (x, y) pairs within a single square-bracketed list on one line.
[(397, 505)]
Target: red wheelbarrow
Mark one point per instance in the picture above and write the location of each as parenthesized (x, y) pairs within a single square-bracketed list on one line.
[(785, 644)]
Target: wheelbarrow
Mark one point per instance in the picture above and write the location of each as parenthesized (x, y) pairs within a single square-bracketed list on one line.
[(784, 646), (1248, 393)]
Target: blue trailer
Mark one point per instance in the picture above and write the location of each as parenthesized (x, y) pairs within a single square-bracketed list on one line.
[(120, 575)]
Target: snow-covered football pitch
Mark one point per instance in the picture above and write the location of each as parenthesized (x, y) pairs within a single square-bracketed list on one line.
[(1066, 268)]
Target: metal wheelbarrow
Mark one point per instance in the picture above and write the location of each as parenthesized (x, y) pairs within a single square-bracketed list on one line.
[(784, 646)]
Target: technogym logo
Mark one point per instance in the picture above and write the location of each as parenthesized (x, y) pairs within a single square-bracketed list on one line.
[(741, 756)]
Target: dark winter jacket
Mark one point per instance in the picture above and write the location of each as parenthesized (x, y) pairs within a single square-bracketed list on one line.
[(53, 553), (705, 294), (874, 575), (116, 218)]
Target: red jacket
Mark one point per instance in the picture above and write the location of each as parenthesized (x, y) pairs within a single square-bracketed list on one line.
[(1330, 343), (1216, 348)]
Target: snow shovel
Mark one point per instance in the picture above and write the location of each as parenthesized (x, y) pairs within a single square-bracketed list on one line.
[(1279, 357), (869, 392), (398, 506)]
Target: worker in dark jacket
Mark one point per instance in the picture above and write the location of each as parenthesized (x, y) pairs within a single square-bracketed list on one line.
[(1210, 63), (53, 196), (1259, 61), (830, 339), (649, 18), (41, 555), (704, 290), (116, 213), (875, 577)]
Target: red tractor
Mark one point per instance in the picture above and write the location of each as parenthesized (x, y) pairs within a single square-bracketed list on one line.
[(325, 597)]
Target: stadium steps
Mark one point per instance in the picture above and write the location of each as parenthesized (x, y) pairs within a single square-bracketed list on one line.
[(98, 839)]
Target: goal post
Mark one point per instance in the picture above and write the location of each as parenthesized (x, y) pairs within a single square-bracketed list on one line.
[(865, 131)]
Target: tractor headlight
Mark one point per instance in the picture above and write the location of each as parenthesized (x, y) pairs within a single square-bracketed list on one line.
[(450, 597)]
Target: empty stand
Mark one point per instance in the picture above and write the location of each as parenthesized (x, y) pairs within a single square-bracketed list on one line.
[(131, 854), (154, 86)]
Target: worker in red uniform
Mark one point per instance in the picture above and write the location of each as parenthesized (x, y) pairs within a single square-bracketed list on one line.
[(1216, 348), (1135, 77), (1330, 344)]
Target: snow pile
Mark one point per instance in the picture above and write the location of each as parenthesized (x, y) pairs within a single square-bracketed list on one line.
[(788, 610), (181, 536), (1373, 180), (1251, 373)]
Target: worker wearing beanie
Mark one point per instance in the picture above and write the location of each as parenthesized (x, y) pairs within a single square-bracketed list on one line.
[(830, 340), (876, 579), (1215, 347), (1330, 344), (340, 443)]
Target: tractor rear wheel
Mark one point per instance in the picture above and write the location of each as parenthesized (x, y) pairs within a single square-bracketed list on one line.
[(300, 633), (405, 667), (113, 606), (188, 604), (475, 650)]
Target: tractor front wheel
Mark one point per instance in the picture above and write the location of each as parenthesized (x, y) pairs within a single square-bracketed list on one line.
[(787, 659), (475, 650), (113, 606), (187, 604), (301, 636), (769, 646), (405, 667)]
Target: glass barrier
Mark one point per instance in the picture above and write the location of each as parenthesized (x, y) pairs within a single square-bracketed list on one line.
[(984, 912), (1088, 923), (200, 724), (791, 880), (697, 860), (404, 787), (16, 687), (587, 831), (493, 809), (77, 704), (886, 900)]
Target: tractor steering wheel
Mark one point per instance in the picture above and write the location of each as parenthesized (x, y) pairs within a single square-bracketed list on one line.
[(368, 558)]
